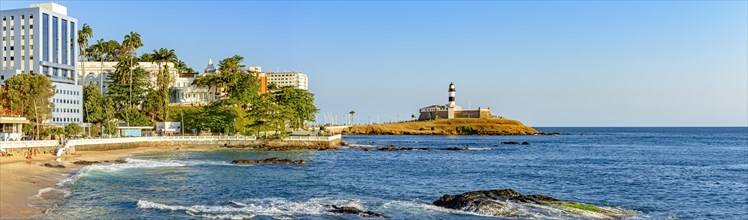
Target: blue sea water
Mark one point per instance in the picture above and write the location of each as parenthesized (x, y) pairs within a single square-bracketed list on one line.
[(688, 173)]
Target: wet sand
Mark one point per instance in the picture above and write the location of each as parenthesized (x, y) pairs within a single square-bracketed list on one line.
[(21, 179)]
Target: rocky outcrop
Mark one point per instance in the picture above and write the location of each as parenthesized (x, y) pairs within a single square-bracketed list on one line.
[(390, 148), (355, 211), (85, 162), (272, 160), (54, 166), (510, 203), (515, 142)]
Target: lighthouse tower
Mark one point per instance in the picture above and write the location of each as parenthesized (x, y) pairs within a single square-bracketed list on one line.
[(451, 105)]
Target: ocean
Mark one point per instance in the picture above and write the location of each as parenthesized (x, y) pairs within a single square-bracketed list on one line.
[(659, 173)]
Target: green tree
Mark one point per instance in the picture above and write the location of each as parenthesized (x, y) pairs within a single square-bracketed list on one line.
[(300, 102), (267, 115), (93, 102), (152, 105), (135, 117), (30, 95), (73, 130), (129, 84), (163, 57), (55, 131), (110, 121), (240, 86)]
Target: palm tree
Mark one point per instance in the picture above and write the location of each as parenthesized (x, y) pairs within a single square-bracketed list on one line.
[(83, 35), (112, 50), (163, 57), (351, 113), (131, 43)]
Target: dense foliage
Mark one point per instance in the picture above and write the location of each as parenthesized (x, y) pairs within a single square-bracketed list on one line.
[(29, 95)]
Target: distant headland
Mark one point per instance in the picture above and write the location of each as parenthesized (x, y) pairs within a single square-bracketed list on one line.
[(449, 119)]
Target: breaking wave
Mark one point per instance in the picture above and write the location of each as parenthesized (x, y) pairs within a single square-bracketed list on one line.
[(135, 163), (51, 192), (274, 207)]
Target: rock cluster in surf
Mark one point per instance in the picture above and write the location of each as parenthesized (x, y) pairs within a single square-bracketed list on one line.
[(272, 160), (87, 162), (391, 148), (503, 203), (354, 211)]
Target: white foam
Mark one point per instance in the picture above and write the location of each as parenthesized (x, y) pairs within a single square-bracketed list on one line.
[(51, 191), (479, 148), (114, 167), (275, 207)]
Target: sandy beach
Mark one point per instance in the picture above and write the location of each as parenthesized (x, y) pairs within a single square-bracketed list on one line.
[(21, 179)]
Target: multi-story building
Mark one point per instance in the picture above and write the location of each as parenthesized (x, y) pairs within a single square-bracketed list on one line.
[(98, 72), (187, 94), (42, 39), (295, 79)]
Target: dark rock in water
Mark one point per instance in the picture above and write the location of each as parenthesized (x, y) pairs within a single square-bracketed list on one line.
[(504, 203), (525, 143), (272, 160), (420, 148), (120, 161), (403, 148), (365, 149), (453, 148), (237, 204), (54, 166), (355, 211), (509, 142), (85, 162)]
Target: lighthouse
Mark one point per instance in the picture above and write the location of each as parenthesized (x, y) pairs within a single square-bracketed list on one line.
[(451, 105)]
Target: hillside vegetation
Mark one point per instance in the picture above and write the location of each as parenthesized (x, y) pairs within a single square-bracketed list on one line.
[(480, 126)]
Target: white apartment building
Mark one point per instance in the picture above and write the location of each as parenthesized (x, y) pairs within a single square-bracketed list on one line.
[(183, 90), (97, 72), (296, 79), (42, 39), (187, 94)]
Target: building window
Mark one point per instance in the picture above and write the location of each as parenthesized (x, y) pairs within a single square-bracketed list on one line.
[(64, 42), (55, 39), (45, 36)]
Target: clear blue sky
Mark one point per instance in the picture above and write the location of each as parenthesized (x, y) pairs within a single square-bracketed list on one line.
[(626, 63)]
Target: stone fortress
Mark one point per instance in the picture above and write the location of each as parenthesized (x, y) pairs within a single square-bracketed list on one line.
[(451, 110)]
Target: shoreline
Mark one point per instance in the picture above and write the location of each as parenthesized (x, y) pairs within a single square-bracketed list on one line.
[(21, 180)]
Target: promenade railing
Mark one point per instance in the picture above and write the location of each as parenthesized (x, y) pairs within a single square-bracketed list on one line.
[(313, 138), (80, 142)]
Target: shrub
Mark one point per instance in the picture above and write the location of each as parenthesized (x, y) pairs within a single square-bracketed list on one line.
[(467, 130)]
